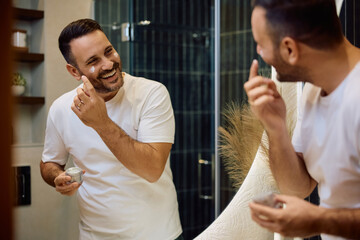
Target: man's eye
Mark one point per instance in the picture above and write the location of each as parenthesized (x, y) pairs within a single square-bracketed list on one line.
[(91, 62)]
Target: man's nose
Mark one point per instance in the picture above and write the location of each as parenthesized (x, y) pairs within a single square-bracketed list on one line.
[(108, 64)]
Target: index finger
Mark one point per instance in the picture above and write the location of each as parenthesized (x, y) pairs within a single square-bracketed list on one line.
[(88, 87), (254, 69)]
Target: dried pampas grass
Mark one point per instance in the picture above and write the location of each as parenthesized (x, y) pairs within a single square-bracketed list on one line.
[(242, 135), (239, 141)]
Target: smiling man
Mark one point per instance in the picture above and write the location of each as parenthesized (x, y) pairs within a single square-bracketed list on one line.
[(119, 129), (304, 42)]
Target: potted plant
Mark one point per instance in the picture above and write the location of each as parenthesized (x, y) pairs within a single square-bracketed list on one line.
[(18, 84)]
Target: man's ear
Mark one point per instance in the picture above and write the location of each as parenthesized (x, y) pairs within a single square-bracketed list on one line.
[(289, 50), (73, 71)]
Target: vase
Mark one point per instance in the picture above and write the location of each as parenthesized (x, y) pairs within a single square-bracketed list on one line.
[(17, 90)]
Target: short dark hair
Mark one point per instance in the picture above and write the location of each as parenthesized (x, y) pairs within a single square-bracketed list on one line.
[(75, 30), (312, 22)]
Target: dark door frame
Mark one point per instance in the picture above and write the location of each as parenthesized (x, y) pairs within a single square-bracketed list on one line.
[(6, 222)]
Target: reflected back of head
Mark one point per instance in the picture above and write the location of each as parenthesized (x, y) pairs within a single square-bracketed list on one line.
[(312, 22)]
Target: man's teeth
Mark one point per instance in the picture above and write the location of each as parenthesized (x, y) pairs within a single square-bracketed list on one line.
[(110, 74)]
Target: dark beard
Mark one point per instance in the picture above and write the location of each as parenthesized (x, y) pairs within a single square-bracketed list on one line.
[(293, 75), (101, 88), (288, 73)]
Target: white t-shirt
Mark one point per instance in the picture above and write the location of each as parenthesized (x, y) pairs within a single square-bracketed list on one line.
[(328, 135), (112, 200)]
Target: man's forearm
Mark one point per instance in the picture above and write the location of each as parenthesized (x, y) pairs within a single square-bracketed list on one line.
[(287, 167), (49, 171), (340, 222), (142, 159)]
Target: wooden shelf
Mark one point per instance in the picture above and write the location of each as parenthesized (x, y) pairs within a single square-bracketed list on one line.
[(28, 57), (29, 100), (28, 14)]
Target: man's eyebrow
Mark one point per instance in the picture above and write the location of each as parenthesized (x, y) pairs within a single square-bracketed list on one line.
[(108, 47)]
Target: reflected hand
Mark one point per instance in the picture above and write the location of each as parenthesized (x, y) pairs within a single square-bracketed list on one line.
[(89, 106), (63, 186), (297, 219), (266, 102)]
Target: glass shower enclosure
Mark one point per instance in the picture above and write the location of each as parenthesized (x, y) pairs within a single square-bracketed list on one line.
[(201, 50)]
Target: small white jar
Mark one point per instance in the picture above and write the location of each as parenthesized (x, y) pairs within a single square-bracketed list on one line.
[(75, 173), (19, 38)]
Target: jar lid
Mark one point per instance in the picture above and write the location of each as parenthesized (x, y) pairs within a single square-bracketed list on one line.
[(19, 30)]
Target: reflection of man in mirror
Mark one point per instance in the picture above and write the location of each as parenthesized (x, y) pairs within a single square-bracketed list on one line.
[(304, 42), (119, 129)]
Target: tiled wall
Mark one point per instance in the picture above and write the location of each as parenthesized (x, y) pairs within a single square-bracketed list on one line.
[(238, 49), (110, 14), (350, 21)]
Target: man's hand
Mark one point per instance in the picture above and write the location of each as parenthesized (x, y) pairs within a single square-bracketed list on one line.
[(63, 186), (89, 106), (297, 219), (266, 102)]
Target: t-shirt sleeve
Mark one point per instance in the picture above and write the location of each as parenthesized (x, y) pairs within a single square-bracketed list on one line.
[(54, 148), (157, 123)]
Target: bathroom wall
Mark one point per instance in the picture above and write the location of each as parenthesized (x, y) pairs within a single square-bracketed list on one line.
[(50, 215)]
